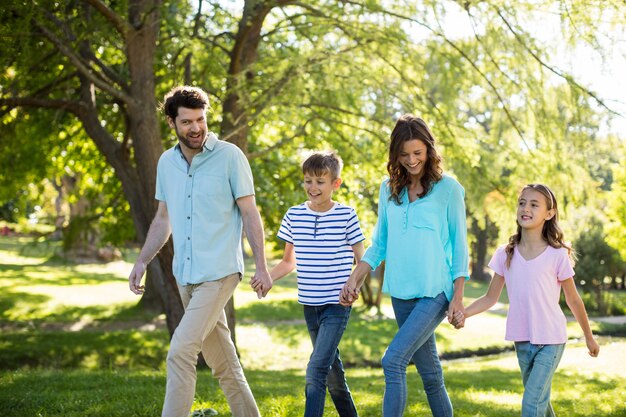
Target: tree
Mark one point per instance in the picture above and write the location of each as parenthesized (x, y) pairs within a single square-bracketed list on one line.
[(288, 76), (98, 68), (597, 261)]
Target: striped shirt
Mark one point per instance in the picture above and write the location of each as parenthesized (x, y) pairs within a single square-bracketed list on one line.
[(323, 246)]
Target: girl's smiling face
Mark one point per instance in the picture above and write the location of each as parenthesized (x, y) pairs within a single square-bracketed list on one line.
[(532, 209)]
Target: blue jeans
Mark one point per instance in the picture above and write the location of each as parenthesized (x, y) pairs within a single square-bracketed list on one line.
[(417, 320), (538, 364), (326, 325)]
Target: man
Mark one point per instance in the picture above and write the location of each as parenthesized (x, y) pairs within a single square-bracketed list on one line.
[(205, 194)]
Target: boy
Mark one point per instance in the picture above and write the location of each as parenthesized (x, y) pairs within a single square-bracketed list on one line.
[(322, 239)]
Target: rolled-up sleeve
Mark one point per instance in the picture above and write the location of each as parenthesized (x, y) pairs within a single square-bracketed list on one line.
[(377, 252), (457, 226), (240, 175)]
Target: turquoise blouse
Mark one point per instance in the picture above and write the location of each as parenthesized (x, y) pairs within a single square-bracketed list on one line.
[(424, 243)]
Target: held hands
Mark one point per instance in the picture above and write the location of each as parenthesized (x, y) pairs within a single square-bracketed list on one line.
[(349, 293), (261, 283), (456, 314), (458, 320), (134, 279)]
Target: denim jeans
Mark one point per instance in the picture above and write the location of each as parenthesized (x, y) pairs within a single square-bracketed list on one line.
[(326, 325), (417, 320), (538, 364)]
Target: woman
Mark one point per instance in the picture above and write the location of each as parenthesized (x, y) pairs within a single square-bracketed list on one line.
[(421, 233)]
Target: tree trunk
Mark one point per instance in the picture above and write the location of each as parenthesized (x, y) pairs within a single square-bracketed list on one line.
[(483, 236), (235, 127), (144, 130), (138, 174)]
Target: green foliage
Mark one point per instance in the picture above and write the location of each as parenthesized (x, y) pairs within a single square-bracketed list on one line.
[(331, 75), (616, 210), (597, 261)]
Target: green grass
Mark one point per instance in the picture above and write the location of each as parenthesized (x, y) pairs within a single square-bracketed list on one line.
[(478, 387), (74, 343)]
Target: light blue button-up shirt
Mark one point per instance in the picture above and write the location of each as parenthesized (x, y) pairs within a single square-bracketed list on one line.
[(201, 203), (424, 243)]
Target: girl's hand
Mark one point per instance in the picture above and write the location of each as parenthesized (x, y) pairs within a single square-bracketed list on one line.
[(593, 346), (455, 307)]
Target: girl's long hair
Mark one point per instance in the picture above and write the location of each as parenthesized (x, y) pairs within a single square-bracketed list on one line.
[(551, 231), (410, 127)]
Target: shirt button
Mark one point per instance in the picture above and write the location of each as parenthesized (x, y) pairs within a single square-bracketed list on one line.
[(188, 237), (189, 175), (188, 217), (189, 196), (187, 258)]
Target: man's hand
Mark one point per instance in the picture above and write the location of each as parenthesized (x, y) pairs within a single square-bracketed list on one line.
[(134, 279), (262, 283)]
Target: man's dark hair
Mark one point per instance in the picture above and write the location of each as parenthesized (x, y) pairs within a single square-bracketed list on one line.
[(184, 96)]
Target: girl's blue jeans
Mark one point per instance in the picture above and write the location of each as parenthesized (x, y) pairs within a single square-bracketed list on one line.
[(415, 340), (326, 325), (538, 364)]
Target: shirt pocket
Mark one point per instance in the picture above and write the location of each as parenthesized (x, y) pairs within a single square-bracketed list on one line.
[(424, 220), (212, 185)]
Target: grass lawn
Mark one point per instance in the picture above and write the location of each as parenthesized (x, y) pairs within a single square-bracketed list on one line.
[(73, 343)]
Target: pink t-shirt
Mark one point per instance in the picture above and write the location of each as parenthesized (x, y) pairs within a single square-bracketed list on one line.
[(534, 288)]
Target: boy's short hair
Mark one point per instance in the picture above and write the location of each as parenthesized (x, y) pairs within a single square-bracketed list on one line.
[(320, 163), (184, 96)]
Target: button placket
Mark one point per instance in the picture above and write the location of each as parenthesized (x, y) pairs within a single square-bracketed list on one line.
[(188, 224)]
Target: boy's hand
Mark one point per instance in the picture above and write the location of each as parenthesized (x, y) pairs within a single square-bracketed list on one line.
[(261, 283), (593, 346)]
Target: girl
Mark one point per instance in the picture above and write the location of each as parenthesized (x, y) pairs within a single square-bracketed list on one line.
[(535, 265)]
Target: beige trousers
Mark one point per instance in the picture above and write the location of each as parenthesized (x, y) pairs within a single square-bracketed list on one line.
[(203, 328)]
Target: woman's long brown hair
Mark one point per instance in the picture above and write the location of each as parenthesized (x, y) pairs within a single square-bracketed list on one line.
[(551, 231), (410, 127)]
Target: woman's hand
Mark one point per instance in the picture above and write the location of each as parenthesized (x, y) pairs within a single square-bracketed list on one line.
[(458, 320), (456, 313), (349, 293)]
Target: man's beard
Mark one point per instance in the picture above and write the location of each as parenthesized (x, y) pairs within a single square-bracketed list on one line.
[(188, 143)]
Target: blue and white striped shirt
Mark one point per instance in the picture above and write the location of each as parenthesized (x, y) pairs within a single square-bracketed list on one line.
[(323, 246)]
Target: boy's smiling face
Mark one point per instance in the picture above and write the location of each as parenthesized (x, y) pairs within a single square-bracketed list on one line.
[(319, 190)]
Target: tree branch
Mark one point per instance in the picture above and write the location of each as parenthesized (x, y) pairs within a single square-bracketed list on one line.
[(120, 24), (83, 67), (487, 52), (570, 80), (72, 106), (301, 130)]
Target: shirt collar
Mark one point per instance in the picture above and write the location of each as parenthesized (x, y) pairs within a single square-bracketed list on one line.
[(210, 141)]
